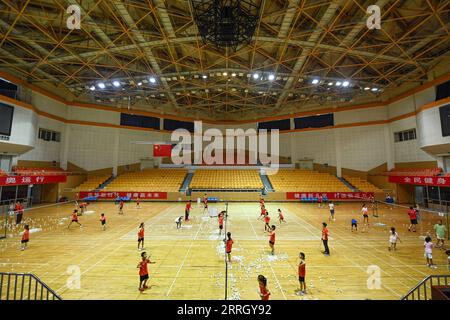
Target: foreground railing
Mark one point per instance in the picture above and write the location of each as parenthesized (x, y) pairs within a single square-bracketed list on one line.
[(423, 290), (24, 286)]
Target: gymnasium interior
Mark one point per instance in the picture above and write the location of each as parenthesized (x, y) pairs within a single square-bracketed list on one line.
[(352, 96)]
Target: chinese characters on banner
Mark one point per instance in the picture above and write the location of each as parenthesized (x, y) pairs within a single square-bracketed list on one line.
[(26, 180), (348, 196), (133, 195), (421, 180)]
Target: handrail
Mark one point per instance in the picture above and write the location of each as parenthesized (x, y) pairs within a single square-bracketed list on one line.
[(18, 290), (416, 293)]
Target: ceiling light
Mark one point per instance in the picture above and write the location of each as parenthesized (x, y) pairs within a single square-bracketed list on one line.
[(225, 74), (330, 83), (255, 76), (345, 84), (139, 83), (271, 77), (366, 88), (315, 81), (116, 84), (338, 83), (204, 76), (374, 89), (152, 79), (92, 88), (233, 74), (101, 85)]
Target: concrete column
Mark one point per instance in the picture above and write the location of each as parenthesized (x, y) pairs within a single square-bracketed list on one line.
[(64, 150), (337, 147), (389, 147), (115, 162)]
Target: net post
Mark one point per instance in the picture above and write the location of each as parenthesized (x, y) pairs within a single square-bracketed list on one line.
[(225, 252)]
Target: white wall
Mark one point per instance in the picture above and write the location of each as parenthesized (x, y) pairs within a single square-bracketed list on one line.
[(430, 131), (45, 150), (24, 126), (316, 145)]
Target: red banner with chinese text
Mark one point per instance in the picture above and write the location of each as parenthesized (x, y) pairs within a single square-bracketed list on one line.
[(421, 180), (133, 195), (341, 196), (26, 180)]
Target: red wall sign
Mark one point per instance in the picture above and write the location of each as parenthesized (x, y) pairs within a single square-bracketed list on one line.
[(132, 195), (421, 180), (26, 180), (342, 196)]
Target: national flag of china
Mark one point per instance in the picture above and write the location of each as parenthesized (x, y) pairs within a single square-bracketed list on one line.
[(162, 150)]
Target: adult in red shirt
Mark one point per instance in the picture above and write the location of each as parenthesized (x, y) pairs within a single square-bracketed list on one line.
[(412, 213), (143, 271), (319, 200), (187, 210), (205, 203), (121, 207), (263, 212), (325, 235), (141, 236)]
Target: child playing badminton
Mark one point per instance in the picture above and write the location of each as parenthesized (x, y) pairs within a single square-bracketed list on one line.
[(267, 220), (272, 239), (187, 210), (319, 201), (121, 207), (354, 224), (281, 216), (412, 213), (103, 221), (25, 237), (428, 245), (178, 221), (393, 237), (302, 274), (365, 214), (205, 203), (263, 213), (141, 236), (228, 246), (138, 203), (331, 205), (143, 271), (74, 218), (263, 291), (220, 217)]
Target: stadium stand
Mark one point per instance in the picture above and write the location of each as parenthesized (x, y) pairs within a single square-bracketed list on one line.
[(429, 172), (362, 185), (226, 179), (34, 171), (163, 180), (92, 183), (292, 180), (2, 173)]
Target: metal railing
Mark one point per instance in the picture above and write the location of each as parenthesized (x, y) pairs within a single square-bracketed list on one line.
[(24, 286), (423, 290)]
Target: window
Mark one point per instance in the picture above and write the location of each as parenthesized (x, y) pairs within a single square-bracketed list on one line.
[(405, 135), (48, 135)]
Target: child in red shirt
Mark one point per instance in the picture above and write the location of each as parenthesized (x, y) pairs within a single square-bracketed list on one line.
[(263, 291), (412, 213), (220, 222), (228, 246), (103, 221), (267, 220), (272, 239), (74, 218), (143, 271), (281, 216), (25, 237), (302, 274), (141, 236)]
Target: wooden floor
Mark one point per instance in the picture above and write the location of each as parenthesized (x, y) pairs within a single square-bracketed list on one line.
[(190, 261)]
